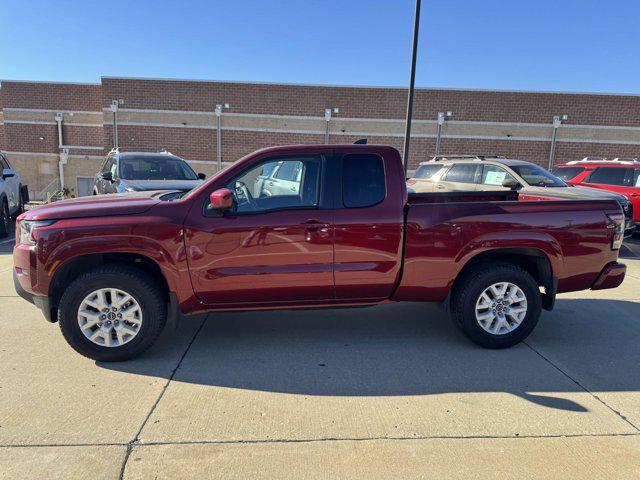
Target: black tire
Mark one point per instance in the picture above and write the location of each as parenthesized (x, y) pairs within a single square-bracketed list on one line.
[(5, 219), (133, 281), (477, 280)]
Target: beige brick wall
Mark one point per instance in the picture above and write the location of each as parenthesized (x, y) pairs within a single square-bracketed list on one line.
[(178, 115)]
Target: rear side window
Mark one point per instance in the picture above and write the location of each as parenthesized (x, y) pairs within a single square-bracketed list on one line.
[(462, 173), (608, 176), (363, 182), (567, 173), (636, 177), (426, 171), (289, 171), (3, 163)]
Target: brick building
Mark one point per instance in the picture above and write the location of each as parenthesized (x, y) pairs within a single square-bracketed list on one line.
[(179, 115)]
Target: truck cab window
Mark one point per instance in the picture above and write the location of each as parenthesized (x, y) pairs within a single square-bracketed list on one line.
[(363, 180), (276, 184)]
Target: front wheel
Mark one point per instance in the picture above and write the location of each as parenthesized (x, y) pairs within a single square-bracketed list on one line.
[(112, 313), (497, 305)]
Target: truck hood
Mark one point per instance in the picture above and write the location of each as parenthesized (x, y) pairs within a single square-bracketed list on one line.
[(95, 206), (141, 185)]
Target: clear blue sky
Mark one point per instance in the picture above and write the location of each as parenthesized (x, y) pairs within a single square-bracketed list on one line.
[(562, 45)]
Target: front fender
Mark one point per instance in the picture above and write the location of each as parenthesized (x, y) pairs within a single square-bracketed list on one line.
[(159, 241)]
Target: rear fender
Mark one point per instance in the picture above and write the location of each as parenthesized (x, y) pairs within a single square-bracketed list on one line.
[(545, 244)]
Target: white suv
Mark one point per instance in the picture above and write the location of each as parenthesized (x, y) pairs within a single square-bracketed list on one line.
[(11, 199)]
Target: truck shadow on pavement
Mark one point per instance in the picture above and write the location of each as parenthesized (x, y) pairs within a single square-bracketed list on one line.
[(407, 349)]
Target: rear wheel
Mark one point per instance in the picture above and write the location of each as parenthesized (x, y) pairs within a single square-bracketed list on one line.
[(497, 305), (5, 219), (112, 313)]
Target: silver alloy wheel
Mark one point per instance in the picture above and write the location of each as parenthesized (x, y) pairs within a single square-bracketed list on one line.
[(501, 308), (110, 317)]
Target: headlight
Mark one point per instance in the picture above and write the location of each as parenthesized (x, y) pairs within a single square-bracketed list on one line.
[(26, 229)]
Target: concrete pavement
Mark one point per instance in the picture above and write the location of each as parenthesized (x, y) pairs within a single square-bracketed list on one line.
[(391, 391)]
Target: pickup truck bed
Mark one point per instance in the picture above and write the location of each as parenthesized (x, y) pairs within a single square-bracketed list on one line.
[(304, 227), (445, 231)]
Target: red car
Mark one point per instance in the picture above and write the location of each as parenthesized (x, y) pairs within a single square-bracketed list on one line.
[(618, 175), (113, 270)]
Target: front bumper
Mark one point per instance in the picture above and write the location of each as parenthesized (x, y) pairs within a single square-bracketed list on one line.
[(611, 276), (41, 302)]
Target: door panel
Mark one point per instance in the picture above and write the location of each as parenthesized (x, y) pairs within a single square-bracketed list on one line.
[(284, 256), (272, 248), (368, 235)]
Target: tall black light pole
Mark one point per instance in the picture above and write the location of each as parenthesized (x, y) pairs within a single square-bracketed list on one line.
[(414, 52)]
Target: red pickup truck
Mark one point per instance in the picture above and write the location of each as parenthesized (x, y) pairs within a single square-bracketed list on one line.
[(307, 226)]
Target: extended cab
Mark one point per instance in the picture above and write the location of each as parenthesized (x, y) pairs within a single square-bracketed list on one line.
[(341, 232)]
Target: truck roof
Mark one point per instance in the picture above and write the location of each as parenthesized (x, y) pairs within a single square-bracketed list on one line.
[(324, 147)]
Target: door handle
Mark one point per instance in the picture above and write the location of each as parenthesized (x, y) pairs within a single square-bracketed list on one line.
[(635, 194), (315, 226), (440, 187)]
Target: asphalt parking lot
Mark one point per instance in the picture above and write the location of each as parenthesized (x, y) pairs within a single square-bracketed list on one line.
[(392, 391)]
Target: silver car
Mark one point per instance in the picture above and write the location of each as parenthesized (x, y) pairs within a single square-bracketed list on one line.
[(138, 171)]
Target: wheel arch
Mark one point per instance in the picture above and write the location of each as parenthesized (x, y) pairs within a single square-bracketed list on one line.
[(534, 261), (75, 266)]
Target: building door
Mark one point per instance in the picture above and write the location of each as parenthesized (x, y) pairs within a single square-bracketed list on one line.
[(84, 186)]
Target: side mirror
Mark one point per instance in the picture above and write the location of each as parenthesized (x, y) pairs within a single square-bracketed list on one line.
[(202, 176), (221, 199), (106, 176), (8, 173), (511, 184)]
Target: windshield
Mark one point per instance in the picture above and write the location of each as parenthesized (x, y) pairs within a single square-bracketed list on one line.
[(537, 176), (426, 171), (155, 168)]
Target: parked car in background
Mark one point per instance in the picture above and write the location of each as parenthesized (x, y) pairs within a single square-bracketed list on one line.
[(280, 178), (140, 171), (11, 196), (112, 271), (453, 173), (620, 175)]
